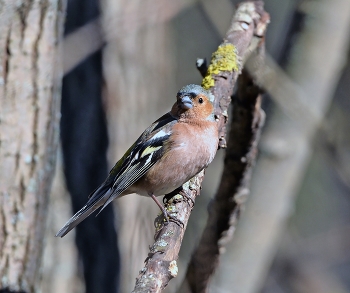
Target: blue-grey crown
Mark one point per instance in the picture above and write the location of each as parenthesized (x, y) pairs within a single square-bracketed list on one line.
[(194, 89)]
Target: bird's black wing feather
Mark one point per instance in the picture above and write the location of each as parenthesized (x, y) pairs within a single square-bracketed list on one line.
[(138, 159)]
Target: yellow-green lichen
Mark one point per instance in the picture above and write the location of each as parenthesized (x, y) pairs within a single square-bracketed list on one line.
[(170, 208), (178, 197), (223, 59)]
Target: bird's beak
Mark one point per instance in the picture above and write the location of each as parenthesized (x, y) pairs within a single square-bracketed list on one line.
[(185, 103)]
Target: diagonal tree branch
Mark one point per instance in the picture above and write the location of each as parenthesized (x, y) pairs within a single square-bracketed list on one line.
[(245, 33), (224, 210)]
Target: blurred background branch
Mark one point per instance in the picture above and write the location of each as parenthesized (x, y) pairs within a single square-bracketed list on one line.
[(286, 148), (81, 42)]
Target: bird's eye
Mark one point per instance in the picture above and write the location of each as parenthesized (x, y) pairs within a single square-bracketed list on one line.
[(200, 100)]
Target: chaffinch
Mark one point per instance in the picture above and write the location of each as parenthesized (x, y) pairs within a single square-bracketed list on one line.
[(171, 151)]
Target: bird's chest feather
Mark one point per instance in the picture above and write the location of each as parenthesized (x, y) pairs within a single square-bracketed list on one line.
[(188, 151)]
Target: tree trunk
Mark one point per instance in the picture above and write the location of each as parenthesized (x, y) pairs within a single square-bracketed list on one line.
[(29, 97)]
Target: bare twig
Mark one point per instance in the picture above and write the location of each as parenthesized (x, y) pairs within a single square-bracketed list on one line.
[(81, 43), (202, 66), (249, 24), (91, 37)]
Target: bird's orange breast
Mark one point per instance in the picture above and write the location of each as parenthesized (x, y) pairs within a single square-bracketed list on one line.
[(190, 149)]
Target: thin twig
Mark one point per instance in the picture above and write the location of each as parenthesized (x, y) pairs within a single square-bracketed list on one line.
[(249, 23), (202, 66)]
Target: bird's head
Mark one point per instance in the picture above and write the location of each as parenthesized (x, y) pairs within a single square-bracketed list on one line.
[(193, 101)]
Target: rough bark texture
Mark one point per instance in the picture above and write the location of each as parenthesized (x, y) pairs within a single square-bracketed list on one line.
[(160, 265), (249, 21), (29, 115)]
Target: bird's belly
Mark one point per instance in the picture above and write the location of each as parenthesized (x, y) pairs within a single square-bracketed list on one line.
[(174, 169), (166, 181)]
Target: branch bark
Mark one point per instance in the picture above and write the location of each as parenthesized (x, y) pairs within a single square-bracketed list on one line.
[(30, 102), (246, 31), (225, 208)]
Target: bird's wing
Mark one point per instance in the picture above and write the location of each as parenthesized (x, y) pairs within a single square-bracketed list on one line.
[(155, 134), (146, 151), (138, 159)]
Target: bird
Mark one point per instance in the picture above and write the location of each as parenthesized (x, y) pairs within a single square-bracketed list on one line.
[(172, 150)]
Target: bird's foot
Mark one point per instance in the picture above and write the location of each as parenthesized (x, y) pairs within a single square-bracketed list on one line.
[(170, 196), (168, 217)]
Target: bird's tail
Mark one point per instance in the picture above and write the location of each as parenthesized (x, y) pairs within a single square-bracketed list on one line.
[(96, 200)]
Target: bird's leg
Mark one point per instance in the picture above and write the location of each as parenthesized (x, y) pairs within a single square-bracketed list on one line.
[(165, 212)]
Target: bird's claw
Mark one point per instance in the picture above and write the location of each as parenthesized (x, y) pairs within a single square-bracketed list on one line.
[(188, 198), (169, 196), (180, 191), (164, 218)]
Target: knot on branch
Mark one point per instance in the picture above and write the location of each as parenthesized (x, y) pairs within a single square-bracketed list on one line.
[(154, 282)]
